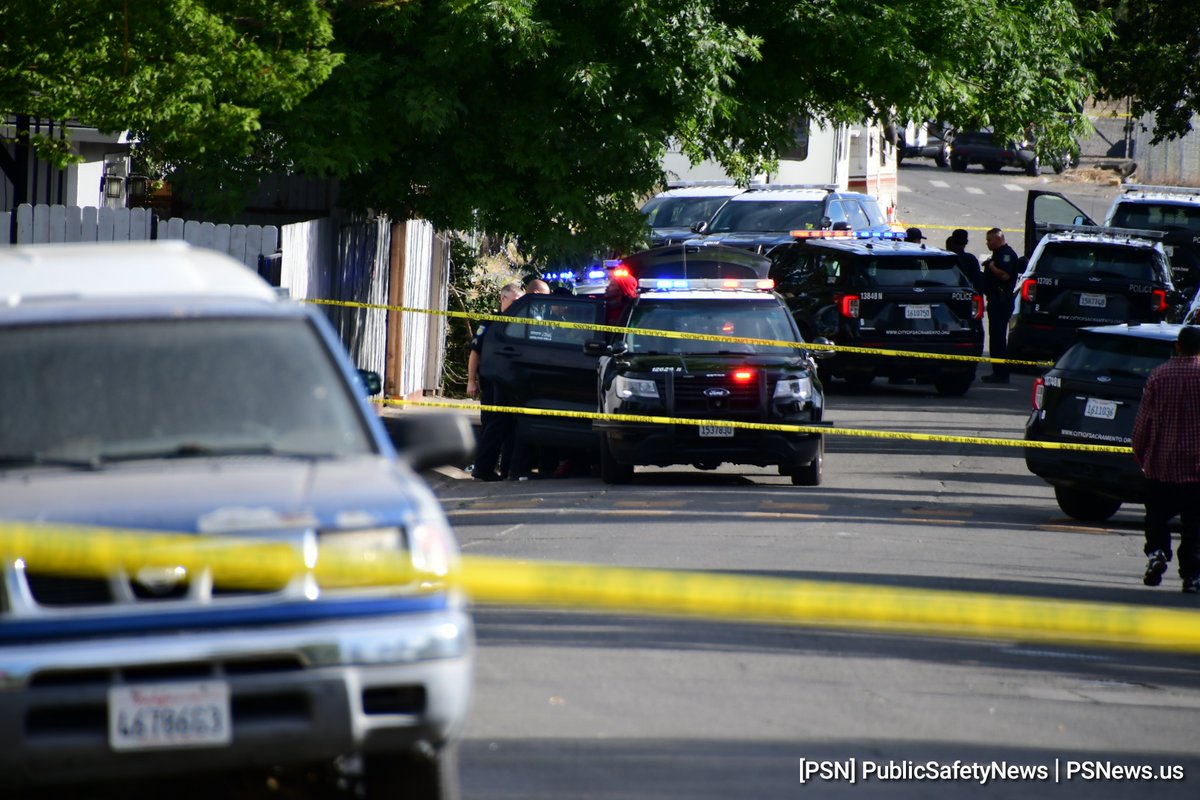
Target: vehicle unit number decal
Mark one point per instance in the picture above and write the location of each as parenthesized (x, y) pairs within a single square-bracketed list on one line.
[(150, 716), (870, 295)]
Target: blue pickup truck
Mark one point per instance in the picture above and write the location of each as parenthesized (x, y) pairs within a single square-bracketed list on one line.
[(159, 387)]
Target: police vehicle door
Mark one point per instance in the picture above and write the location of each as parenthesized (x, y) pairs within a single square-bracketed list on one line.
[(1043, 209)]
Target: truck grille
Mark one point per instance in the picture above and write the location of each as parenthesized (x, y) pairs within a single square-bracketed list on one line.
[(691, 397)]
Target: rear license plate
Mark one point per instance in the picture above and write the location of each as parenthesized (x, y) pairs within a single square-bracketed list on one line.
[(917, 312), (715, 431), (1093, 300), (151, 716), (1100, 409)]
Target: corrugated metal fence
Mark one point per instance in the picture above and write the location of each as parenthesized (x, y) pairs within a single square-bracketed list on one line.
[(1175, 163)]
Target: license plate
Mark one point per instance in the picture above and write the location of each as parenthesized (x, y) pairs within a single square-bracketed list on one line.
[(1093, 300), (917, 312), (716, 431), (1100, 409), (151, 716)]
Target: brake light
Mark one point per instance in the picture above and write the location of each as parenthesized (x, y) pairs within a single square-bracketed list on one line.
[(848, 306), (1029, 290), (1039, 392), (743, 376), (978, 300), (1160, 300)]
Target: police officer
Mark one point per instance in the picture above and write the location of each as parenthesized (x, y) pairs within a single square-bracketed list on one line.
[(999, 278), (496, 428)]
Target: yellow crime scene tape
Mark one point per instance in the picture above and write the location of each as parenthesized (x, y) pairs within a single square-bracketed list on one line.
[(768, 426), (703, 337), (822, 604)]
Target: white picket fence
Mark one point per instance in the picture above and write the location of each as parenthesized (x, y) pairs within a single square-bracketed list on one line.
[(44, 224)]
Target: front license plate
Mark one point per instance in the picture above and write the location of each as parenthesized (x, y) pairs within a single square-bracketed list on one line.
[(715, 431), (150, 716), (917, 312), (1100, 409), (1093, 300)]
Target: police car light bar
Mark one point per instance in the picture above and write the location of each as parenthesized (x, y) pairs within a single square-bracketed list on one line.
[(827, 234), (1105, 230), (596, 275), (762, 284)]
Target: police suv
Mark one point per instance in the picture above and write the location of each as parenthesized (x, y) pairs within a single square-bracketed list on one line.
[(708, 294), (873, 291), (1080, 276), (765, 215)]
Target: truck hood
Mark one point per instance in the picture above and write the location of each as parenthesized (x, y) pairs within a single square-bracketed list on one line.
[(215, 495)]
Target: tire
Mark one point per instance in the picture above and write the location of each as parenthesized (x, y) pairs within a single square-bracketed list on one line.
[(415, 774), (955, 384), (958, 164), (810, 474), (1033, 168), (1085, 506), (610, 470), (943, 158)]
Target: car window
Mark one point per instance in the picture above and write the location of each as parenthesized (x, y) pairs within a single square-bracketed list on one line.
[(555, 308), (680, 212), (754, 320), (767, 215), (1081, 259), (1157, 217), (1115, 354), (855, 215), (871, 208), (130, 388), (906, 272)]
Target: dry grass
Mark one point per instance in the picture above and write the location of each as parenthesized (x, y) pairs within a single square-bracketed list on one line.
[(1093, 175)]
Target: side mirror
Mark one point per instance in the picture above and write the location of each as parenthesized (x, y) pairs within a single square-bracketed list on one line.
[(700, 227), (1080, 220), (841, 226), (822, 353), (371, 382), (427, 440), (596, 348)]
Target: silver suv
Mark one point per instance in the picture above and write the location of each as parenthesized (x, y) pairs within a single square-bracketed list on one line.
[(156, 387)]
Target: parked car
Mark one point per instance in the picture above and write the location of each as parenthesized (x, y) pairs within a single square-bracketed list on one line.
[(885, 294), (1080, 276), (928, 140), (993, 153), (1091, 396), (674, 213), (162, 388), (765, 215)]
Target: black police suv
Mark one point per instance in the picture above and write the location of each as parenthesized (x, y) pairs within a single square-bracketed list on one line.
[(1080, 276), (708, 292), (883, 294), (1091, 396)]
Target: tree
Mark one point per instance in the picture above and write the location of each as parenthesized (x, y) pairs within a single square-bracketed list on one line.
[(189, 77), (1154, 60), (547, 121)]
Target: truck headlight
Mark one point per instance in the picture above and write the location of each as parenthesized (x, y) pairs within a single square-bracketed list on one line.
[(798, 389), (635, 387)]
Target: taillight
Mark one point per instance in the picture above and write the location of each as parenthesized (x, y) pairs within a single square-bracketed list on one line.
[(1039, 392), (978, 306), (1160, 300), (848, 305), (1029, 290)]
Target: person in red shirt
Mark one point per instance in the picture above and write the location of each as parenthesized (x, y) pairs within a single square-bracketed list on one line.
[(1166, 444), (618, 296)]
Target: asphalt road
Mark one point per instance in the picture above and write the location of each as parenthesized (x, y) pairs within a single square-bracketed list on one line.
[(599, 705)]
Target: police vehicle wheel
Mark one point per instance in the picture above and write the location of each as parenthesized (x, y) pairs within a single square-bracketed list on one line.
[(958, 164), (953, 385), (425, 774), (810, 473), (611, 471), (1084, 505)]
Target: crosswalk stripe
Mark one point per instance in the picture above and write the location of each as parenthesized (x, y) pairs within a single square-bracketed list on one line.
[(1013, 187), (939, 184), (974, 190)]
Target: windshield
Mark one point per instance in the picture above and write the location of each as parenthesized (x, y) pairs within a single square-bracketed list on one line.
[(1078, 259), (767, 215), (130, 389), (900, 272), (752, 320), (1116, 355), (1157, 217), (681, 212)]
